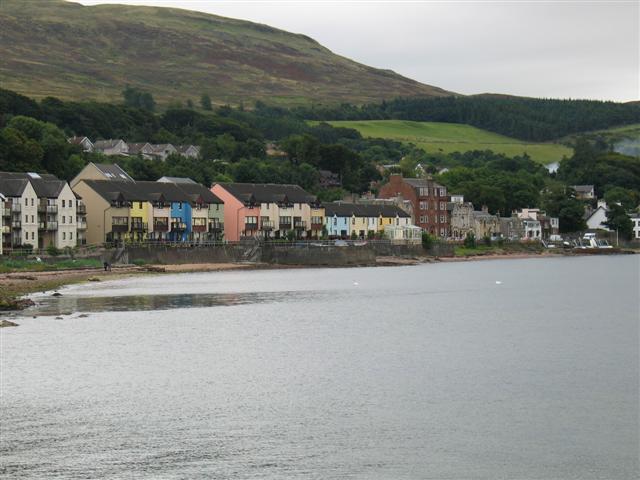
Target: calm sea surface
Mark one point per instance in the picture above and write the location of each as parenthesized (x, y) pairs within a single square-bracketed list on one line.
[(425, 372)]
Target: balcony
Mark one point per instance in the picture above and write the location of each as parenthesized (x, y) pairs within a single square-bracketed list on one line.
[(267, 225), (216, 226), (251, 226), (199, 228), (81, 225), (160, 227), (139, 227), (120, 227), (16, 207), (316, 225), (81, 209), (16, 224), (43, 207), (42, 226), (285, 226), (52, 226), (178, 226), (6, 211), (300, 225)]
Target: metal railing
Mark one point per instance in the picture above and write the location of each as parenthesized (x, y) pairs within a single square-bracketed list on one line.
[(52, 226)]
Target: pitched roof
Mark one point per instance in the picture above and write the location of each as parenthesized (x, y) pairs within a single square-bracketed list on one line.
[(195, 191), (421, 182), (176, 180), (342, 209), (13, 187), (268, 192), (148, 191), (77, 140), (185, 148), (44, 184), (113, 172), (107, 144), (135, 148), (582, 188)]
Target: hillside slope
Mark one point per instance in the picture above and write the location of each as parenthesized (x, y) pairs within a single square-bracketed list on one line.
[(64, 49), (454, 137)]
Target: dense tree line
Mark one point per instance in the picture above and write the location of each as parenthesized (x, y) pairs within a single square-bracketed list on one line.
[(533, 119)]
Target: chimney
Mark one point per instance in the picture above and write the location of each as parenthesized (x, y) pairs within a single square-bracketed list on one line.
[(485, 209)]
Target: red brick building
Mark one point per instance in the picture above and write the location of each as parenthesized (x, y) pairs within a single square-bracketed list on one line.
[(429, 201)]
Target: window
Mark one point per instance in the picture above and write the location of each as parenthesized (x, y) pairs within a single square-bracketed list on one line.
[(63, 204), (32, 219), (33, 235), (423, 219), (70, 235), (179, 205), (32, 200), (441, 218), (71, 203), (140, 205), (423, 205), (64, 219), (443, 192), (443, 232), (335, 220), (353, 220), (442, 206), (64, 235)]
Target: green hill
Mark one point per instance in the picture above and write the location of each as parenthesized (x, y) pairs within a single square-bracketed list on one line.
[(454, 137), (63, 49)]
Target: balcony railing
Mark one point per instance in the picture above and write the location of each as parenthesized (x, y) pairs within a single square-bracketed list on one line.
[(120, 227), (6, 211), (160, 227), (52, 226), (42, 226), (285, 226), (267, 225), (139, 226), (300, 225), (250, 226), (199, 228), (51, 208), (16, 207), (216, 226), (81, 225), (16, 224), (178, 226), (316, 225), (81, 209)]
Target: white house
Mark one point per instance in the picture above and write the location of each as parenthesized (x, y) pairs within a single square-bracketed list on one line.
[(598, 217), (635, 220), (162, 150)]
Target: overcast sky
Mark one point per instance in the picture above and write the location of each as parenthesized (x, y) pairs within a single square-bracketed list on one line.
[(559, 49)]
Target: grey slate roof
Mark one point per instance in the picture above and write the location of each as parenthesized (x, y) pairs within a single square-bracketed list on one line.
[(106, 144), (342, 209), (422, 182), (44, 184), (12, 187), (268, 192), (147, 191), (177, 180), (113, 172)]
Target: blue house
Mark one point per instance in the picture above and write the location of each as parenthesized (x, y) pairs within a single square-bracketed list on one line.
[(181, 223), (338, 218)]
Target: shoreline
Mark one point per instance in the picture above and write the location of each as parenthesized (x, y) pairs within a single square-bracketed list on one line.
[(17, 286)]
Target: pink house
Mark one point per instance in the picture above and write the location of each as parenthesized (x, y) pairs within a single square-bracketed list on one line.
[(241, 213)]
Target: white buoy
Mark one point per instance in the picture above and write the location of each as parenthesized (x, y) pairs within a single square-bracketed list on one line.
[(498, 282), (356, 284)]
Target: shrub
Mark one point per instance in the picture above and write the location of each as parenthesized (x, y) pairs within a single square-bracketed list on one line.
[(371, 234), (487, 240), (427, 240), (470, 240), (354, 235), (53, 250)]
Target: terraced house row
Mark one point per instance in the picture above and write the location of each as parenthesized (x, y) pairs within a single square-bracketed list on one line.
[(39, 211), (121, 209)]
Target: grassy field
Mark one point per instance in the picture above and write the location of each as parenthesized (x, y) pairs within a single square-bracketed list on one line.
[(454, 137)]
